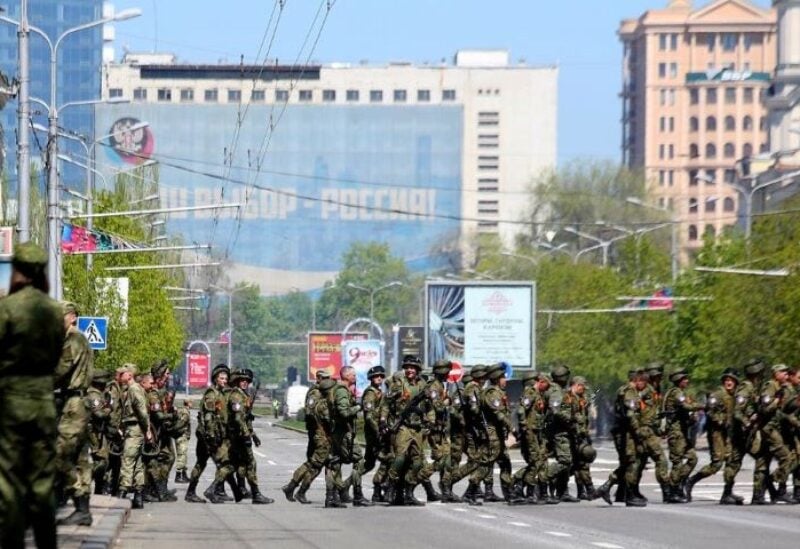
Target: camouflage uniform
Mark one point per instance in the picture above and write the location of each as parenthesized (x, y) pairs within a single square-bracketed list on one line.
[(561, 425), (679, 410), (114, 435), (99, 410), (648, 436), (344, 449), (494, 403), (438, 418), (583, 453), (31, 341), (475, 436), (377, 444), (773, 446), (135, 425), (532, 415)]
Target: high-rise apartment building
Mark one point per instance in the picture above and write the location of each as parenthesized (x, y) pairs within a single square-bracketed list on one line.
[(694, 85)]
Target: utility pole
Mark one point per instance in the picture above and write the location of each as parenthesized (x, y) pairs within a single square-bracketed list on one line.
[(23, 142)]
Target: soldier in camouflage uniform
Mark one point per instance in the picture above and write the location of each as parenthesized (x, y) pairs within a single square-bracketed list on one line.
[(404, 403), (99, 410), (680, 409), (457, 424), (376, 448), (531, 480), (583, 453), (561, 427), (242, 436), (719, 412), (317, 418), (494, 403), (438, 418), (155, 457), (182, 433), (31, 341), (475, 435), (745, 421), (773, 445), (166, 448), (215, 430), (791, 427), (136, 432), (72, 379), (648, 436), (114, 433)]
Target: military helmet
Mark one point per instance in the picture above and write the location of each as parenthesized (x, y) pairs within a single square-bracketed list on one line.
[(530, 375), (219, 369), (754, 366), (587, 452), (327, 384), (442, 367), (376, 371), (478, 372), (249, 374), (101, 377), (655, 369), (322, 374), (579, 380), (496, 372), (731, 373), (413, 361), (29, 259), (159, 368), (69, 307), (234, 376), (544, 377), (779, 368), (466, 378), (679, 374), (560, 372)]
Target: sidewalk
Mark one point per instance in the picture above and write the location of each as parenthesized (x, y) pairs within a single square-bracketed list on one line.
[(109, 515)]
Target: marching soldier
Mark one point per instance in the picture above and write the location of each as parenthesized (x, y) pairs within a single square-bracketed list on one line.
[(648, 435), (242, 435), (376, 448), (531, 480), (745, 437), (99, 409), (439, 437), (791, 427), (583, 451), (317, 418), (31, 341), (182, 433), (72, 379), (773, 446), (167, 417), (136, 432), (457, 424), (679, 410), (114, 432), (561, 425), (475, 436)]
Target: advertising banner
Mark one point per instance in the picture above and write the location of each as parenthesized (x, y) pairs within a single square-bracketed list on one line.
[(325, 352), (481, 323), (362, 355), (412, 341), (199, 368)]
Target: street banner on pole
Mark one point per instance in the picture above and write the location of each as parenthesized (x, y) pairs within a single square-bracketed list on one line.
[(363, 355), (198, 367)]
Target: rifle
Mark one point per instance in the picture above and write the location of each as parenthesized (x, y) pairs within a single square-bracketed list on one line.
[(411, 407)]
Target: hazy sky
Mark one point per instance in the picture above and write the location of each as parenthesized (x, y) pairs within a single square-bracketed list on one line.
[(578, 35)]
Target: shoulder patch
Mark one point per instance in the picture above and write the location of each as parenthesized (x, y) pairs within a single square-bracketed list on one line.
[(740, 399), (236, 406), (766, 399), (526, 402), (555, 403), (682, 398), (368, 406), (496, 403)]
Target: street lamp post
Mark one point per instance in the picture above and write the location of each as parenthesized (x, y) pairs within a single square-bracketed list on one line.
[(674, 235), (229, 293), (601, 243), (372, 293), (53, 240)]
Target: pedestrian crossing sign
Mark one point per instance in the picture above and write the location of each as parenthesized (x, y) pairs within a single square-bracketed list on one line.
[(95, 329)]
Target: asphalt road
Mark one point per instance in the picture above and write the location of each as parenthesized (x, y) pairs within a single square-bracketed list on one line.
[(701, 524)]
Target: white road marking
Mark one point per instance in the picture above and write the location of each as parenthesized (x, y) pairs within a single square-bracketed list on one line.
[(459, 509), (259, 454), (270, 461), (487, 516), (606, 545), (559, 534), (522, 524)]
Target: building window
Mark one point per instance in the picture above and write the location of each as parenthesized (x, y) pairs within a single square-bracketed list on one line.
[(661, 151), (673, 42), (747, 150), (671, 153), (694, 124), (164, 94), (730, 176), (662, 124), (281, 96), (730, 96), (711, 41), (488, 141), (671, 124), (763, 148), (729, 41), (749, 95), (448, 95), (258, 96), (710, 178), (662, 70), (305, 96), (692, 178), (114, 92), (423, 96), (711, 124), (673, 70), (488, 118), (375, 96), (234, 96), (694, 96), (694, 150), (488, 207), (662, 97), (692, 205), (762, 124), (488, 162), (211, 96), (711, 204), (671, 178), (488, 185), (711, 151), (400, 96), (662, 42), (139, 94), (729, 151), (692, 232), (187, 94), (729, 204), (730, 124), (747, 123), (351, 95), (329, 95), (662, 177), (711, 96)]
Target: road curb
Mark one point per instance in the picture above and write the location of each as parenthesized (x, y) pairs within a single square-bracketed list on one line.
[(105, 531), (289, 428)]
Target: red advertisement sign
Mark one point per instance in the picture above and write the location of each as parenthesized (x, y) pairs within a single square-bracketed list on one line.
[(199, 369), (325, 352)]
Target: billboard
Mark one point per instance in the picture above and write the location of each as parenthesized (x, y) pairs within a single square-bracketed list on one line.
[(331, 176), (198, 367), (325, 352), (411, 341), (362, 355), (481, 322)]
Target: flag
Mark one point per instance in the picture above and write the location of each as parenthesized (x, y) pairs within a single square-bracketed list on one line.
[(224, 338), (665, 303)]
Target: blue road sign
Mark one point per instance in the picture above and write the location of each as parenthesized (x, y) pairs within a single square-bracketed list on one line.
[(95, 328)]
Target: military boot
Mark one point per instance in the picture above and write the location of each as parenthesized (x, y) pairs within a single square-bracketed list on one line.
[(758, 496), (670, 495), (795, 494), (511, 496), (619, 495), (489, 496), (300, 496), (220, 493), (409, 499), (470, 495), (582, 491), (566, 497), (212, 493), (604, 492), (545, 496), (332, 500), (99, 478), (243, 488), (237, 494), (163, 493), (430, 492), (180, 477), (633, 501), (150, 494), (358, 498), (694, 479), (259, 498), (727, 497), (138, 500), (80, 516), (191, 496), (531, 494), (344, 495), (390, 494), (778, 495), (288, 490), (377, 496), (589, 491), (447, 493)]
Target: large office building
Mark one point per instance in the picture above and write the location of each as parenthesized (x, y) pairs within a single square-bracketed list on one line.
[(78, 70), (695, 79), (422, 157)]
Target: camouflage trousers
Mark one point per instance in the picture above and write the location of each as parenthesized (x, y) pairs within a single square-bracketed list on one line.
[(345, 451), (652, 449), (182, 452), (159, 465), (682, 455), (562, 449), (773, 447), (497, 453), (27, 463), (244, 462), (476, 450), (720, 451), (534, 452), (441, 455), (131, 474), (317, 456), (409, 461), (376, 452), (71, 443)]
